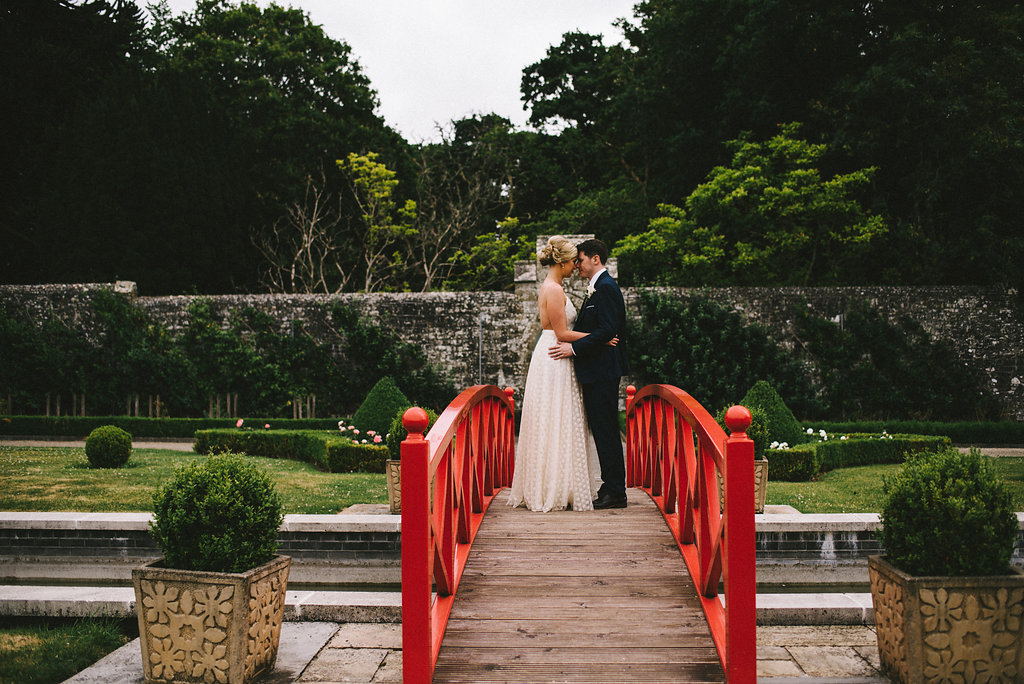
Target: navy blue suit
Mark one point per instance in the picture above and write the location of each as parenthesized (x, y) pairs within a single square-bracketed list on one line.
[(599, 368)]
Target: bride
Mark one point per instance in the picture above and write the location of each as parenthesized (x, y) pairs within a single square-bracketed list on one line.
[(556, 459)]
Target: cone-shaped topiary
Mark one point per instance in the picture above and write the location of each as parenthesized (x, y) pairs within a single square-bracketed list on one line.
[(757, 432), (108, 446), (221, 515), (782, 424), (947, 514), (397, 432), (379, 407)]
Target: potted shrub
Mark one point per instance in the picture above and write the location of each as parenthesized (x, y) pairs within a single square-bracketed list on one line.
[(393, 473), (948, 605), (211, 609)]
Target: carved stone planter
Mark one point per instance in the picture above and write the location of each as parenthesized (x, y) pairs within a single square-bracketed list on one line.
[(760, 485), (393, 472), (209, 626), (948, 629)]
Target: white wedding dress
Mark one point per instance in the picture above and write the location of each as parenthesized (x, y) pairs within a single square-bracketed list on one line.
[(556, 458)]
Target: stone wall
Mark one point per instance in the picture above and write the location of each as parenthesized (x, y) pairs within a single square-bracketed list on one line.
[(487, 337)]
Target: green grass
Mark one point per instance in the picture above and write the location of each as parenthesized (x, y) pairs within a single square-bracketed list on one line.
[(859, 490), (37, 651), (60, 479)]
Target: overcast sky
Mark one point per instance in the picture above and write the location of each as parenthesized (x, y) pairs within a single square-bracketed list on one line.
[(432, 61)]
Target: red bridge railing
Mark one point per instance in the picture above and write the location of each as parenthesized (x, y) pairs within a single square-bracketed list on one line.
[(448, 480), (675, 451)]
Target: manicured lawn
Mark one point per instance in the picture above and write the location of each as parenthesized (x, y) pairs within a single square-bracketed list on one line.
[(60, 479), (34, 651), (859, 490)]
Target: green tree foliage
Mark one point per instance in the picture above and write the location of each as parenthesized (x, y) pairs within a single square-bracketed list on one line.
[(295, 94), (871, 368), (927, 95), (383, 221), (711, 352), (242, 352), (767, 218)]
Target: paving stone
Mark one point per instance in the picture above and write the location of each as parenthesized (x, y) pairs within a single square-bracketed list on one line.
[(772, 653), (391, 670), (870, 654), (345, 665), (816, 635), (361, 635), (831, 661), (778, 668)]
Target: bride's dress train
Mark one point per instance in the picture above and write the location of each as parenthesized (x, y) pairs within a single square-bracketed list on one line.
[(556, 458)]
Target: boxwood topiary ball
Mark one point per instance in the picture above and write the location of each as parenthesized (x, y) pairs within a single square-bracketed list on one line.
[(108, 446), (947, 514), (221, 515)]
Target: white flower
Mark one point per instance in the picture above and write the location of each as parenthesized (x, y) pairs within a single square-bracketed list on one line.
[(774, 445), (590, 289), (810, 431), (363, 442), (843, 437)]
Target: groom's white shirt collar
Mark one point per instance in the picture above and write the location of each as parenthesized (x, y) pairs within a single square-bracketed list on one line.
[(593, 278)]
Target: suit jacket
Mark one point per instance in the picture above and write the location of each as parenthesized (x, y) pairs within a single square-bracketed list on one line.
[(603, 315)]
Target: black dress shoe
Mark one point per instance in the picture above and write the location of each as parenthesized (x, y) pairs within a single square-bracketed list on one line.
[(608, 501)]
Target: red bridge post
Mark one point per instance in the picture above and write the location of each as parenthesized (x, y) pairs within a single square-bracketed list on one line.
[(739, 566), (417, 665)]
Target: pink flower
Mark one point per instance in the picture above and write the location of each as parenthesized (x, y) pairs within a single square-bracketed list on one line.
[(376, 439), (267, 426), (371, 432), (355, 431), (239, 423)]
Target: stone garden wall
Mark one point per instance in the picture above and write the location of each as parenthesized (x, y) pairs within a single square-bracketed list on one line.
[(487, 337)]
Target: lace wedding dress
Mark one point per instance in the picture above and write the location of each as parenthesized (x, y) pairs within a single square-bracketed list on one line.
[(556, 459)]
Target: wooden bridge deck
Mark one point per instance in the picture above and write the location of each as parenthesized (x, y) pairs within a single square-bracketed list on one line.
[(599, 596)]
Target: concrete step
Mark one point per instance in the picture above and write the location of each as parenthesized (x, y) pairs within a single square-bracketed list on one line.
[(386, 606), (94, 601)]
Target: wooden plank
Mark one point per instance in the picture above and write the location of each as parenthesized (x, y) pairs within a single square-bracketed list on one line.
[(597, 596)]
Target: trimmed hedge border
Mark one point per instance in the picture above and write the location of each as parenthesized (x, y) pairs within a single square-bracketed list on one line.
[(1005, 432), (325, 451), (805, 461), (141, 428)]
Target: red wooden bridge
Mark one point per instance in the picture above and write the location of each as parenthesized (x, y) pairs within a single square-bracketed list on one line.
[(494, 594)]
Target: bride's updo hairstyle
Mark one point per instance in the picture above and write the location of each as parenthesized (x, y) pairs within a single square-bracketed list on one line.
[(558, 251)]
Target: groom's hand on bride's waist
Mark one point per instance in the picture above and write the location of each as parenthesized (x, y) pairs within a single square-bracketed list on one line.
[(562, 350)]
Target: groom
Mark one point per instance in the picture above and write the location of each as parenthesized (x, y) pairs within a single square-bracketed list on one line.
[(599, 366)]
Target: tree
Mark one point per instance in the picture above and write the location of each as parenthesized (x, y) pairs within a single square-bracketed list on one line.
[(464, 188), (769, 218), (383, 221), (307, 251)]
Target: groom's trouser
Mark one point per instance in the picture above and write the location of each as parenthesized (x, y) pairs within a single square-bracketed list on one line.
[(601, 401)]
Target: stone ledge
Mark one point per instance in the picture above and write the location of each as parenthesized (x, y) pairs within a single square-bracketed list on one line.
[(119, 602), (386, 606), (23, 520)]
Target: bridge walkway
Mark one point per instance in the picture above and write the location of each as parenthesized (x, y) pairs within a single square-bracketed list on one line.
[(600, 596)]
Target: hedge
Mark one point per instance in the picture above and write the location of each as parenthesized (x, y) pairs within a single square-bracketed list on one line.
[(345, 456), (140, 428), (973, 433), (324, 450), (307, 446), (804, 461)]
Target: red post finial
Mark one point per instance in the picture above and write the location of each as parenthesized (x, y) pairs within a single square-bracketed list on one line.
[(415, 421), (630, 392), (737, 419), (508, 393)]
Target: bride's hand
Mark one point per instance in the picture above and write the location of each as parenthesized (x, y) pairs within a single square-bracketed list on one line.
[(613, 342)]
